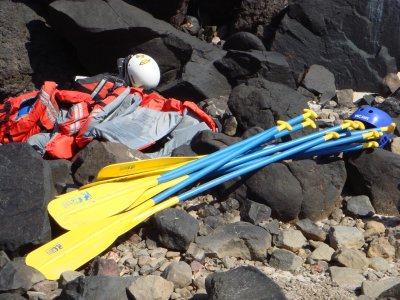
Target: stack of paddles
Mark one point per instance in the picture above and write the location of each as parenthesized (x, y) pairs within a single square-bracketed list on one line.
[(126, 194)]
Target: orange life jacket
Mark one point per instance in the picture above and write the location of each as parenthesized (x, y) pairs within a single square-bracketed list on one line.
[(41, 114)]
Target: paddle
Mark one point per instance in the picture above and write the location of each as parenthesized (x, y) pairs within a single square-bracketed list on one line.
[(78, 206), (74, 219), (74, 248), (112, 171)]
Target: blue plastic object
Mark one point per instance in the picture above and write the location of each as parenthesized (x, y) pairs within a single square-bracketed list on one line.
[(374, 117)]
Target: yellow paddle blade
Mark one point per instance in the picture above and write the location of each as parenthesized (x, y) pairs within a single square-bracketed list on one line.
[(150, 193), (135, 167), (159, 171), (99, 202), (74, 248)]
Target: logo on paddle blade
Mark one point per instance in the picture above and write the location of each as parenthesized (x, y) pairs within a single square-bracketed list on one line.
[(78, 199), (54, 249)]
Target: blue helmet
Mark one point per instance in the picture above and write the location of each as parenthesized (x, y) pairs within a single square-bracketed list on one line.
[(374, 117)]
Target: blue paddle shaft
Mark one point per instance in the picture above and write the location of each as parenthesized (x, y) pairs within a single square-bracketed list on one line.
[(256, 164)]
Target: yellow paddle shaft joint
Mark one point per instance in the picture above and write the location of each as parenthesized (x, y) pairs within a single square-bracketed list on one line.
[(372, 135), (351, 125), (309, 113), (389, 129), (331, 135), (358, 125), (372, 144), (309, 122), (283, 125)]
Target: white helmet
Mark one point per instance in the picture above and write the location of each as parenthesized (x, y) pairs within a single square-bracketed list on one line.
[(143, 71)]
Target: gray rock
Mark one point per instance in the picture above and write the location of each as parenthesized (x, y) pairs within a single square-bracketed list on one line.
[(346, 237), (238, 240), (347, 278), (176, 229), (194, 252), (69, 276), (290, 239), (310, 230), (351, 258), (272, 227), (151, 287), (322, 252), (379, 264), (4, 259), (360, 206), (375, 288), (366, 168), (179, 273), (345, 98), (213, 221), (211, 211), (321, 82), (242, 283), (285, 260), (26, 190), (62, 175), (230, 204), (17, 276), (97, 288), (11, 296), (254, 212)]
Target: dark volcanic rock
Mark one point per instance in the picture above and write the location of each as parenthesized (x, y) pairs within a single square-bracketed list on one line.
[(322, 183), (375, 173), (241, 65), (258, 103), (328, 33), (276, 187), (239, 239), (207, 141), (242, 283), (176, 229), (244, 41), (186, 63), (17, 276), (97, 288), (26, 188), (30, 51), (96, 155)]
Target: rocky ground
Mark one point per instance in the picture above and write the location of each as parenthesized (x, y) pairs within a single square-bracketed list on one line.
[(311, 240)]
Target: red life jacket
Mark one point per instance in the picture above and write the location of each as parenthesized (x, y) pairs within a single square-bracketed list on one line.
[(41, 114), (62, 143)]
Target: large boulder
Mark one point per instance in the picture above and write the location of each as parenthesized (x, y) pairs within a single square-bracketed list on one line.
[(375, 173), (259, 103), (276, 187), (103, 31), (241, 65), (322, 182), (329, 36), (26, 189), (30, 51)]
